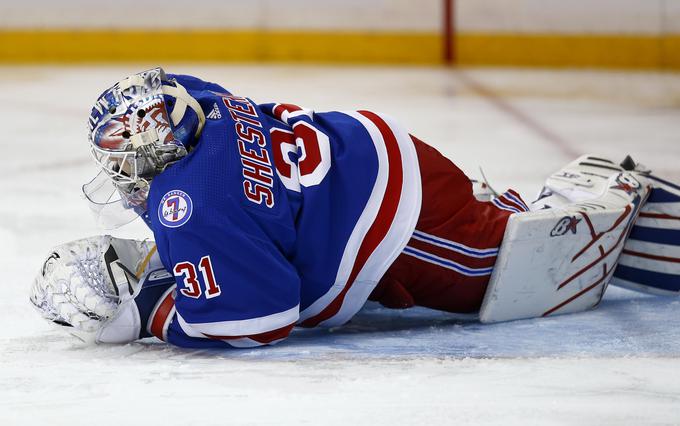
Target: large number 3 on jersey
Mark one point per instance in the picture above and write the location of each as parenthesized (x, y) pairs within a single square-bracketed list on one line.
[(313, 148)]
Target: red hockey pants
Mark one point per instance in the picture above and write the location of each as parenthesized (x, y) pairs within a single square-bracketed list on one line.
[(448, 261)]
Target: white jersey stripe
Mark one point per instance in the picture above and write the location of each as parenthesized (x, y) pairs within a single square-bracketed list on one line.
[(247, 327), (360, 229), (401, 227), (506, 199), (496, 202), (454, 246), (446, 263), (509, 195)]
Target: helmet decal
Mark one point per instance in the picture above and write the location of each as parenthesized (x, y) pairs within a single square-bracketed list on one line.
[(155, 116), (110, 135)]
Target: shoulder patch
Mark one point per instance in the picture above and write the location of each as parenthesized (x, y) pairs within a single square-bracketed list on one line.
[(175, 209)]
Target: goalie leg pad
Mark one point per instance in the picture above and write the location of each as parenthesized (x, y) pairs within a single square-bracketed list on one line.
[(560, 260)]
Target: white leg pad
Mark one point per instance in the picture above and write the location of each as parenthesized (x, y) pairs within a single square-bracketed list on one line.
[(560, 260)]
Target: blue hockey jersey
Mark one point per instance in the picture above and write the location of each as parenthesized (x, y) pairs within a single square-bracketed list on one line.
[(279, 216)]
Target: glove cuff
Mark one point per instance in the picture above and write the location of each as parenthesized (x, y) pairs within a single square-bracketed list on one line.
[(147, 314), (124, 327)]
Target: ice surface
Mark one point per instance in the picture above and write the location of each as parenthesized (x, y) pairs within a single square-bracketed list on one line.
[(619, 364)]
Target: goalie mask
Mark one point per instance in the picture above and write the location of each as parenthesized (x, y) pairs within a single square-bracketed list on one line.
[(136, 129)]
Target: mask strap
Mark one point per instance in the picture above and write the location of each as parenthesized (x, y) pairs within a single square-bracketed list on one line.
[(182, 100), (131, 81), (144, 138)]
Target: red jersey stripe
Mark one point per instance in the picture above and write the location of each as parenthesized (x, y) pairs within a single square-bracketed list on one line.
[(162, 313), (279, 109), (263, 338), (381, 225)]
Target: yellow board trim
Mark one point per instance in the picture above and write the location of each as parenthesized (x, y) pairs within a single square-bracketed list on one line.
[(474, 49), (217, 46), (554, 50)]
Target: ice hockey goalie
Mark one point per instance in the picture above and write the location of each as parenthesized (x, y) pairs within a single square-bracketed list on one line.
[(272, 216)]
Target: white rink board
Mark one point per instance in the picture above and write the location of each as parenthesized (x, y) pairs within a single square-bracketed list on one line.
[(327, 15), (572, 17), (619, 364), (523, 16)]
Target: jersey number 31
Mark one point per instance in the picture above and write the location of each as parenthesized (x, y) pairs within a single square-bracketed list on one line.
[(192, 288)]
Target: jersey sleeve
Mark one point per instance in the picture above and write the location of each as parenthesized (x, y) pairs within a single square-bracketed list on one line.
[(287, 113), (235, 289)]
